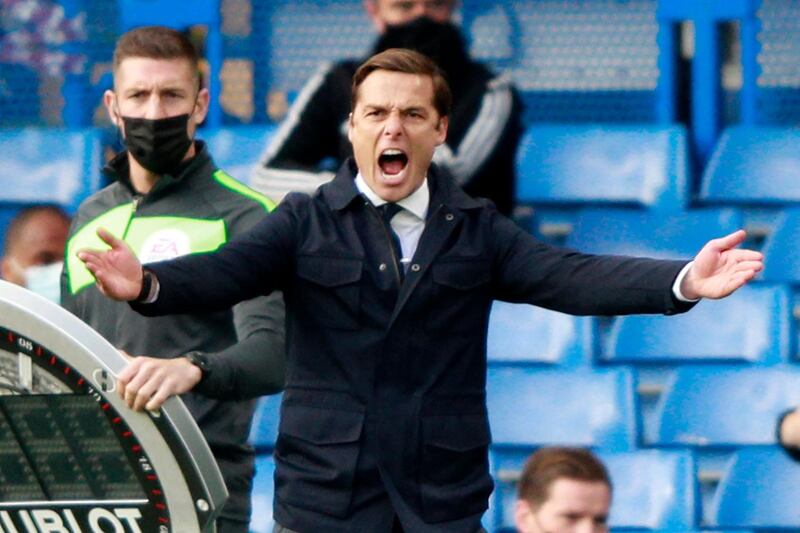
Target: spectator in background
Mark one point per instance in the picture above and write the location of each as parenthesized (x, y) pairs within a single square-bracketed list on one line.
[(34, 249), (563, 490), (484, 124), (169, 199)]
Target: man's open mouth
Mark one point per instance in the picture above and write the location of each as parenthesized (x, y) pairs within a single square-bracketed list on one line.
[(392, 162)]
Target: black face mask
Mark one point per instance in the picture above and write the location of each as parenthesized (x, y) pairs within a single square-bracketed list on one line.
[(440, 41), (157, 144)]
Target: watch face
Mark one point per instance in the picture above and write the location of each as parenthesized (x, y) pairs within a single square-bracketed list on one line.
[(73, 457)]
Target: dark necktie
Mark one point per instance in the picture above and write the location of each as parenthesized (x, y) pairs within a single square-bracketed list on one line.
[(388, 211)]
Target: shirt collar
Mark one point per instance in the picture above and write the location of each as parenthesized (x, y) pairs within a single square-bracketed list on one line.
[(416, 203)]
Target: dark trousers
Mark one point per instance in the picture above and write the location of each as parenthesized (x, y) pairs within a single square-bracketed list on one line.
[(225, 525)]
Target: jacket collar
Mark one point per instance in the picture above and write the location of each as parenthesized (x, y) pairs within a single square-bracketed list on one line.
[(342, 191), (118, 169)]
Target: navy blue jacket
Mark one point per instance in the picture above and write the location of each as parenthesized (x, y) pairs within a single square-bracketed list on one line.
[(385, 383)]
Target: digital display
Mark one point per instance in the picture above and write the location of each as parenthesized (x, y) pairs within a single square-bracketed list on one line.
[(61, 447)]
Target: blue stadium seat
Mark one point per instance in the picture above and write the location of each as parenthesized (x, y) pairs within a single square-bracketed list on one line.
[(752, 325), (653, 489), (533, 407), (264, 429), (237, 149), (758, 490), (725, 406), (644, 166), (528, 334), (263, 493), (781, 253), (49, 165), (649, 234), (754, 165)]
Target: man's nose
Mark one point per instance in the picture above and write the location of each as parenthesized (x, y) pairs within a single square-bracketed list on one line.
[(155, 108), (421, 9), (393, 125)]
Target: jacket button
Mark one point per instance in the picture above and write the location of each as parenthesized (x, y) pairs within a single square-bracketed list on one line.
[(449, 217), (415, 267), (382, 267)]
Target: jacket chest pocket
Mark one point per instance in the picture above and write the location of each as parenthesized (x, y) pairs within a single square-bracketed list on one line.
[(329, 290), (461, 295)]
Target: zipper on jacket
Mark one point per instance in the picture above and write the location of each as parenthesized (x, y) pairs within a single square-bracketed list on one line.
[(395, 259), (136, 201)]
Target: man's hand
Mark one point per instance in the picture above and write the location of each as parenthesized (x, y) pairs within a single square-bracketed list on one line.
[(148, 382), (719, 268), (118, 272)]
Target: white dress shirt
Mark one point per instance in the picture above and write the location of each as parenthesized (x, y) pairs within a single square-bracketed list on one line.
[(409, 222)]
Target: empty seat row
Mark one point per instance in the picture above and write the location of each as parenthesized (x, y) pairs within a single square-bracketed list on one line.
[(704, 406), (753, 325), (646, 166)]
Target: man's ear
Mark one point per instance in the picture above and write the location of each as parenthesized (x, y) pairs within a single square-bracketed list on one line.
[(523, 517), (441, 130), (110, 103), (350, 127), (201, 106)]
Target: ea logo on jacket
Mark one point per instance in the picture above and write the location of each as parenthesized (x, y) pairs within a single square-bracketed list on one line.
[(164, 244)]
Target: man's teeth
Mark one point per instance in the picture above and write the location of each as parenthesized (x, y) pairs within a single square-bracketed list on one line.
[(391, 151)]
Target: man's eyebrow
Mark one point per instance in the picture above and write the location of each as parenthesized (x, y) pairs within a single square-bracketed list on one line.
[(159, 89)]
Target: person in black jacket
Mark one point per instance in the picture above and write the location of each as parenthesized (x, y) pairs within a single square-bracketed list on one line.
[(389, 273), (484, 127)]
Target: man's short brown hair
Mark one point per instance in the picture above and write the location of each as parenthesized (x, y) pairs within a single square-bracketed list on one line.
[(409, 62), (548, 465), (156, 42)]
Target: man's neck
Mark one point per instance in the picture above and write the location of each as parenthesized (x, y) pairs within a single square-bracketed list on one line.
[(142, 180)]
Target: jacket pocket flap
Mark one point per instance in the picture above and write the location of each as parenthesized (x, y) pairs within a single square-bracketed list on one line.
[(329, 271), (456, 432), (320, 426), (462, 274)]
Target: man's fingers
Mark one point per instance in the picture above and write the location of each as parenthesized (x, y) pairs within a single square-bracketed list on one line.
[(108, 238), (730, 241), (743, 266), (746, 255), (144, 394), (158, 398)]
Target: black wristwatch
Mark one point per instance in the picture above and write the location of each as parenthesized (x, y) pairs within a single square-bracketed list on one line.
[(200, 360)]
